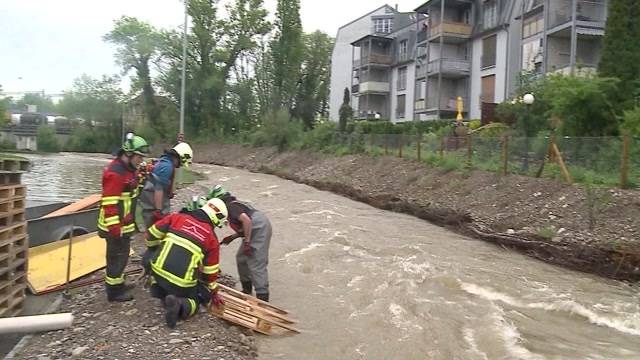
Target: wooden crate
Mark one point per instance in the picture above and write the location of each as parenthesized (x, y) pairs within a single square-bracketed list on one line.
[(12, 292), (13, 217), (250, 312), (14, 164), (8, 192), (10, 178), (12, 205), (9, 233)]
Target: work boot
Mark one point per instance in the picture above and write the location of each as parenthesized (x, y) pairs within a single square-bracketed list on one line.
[(118, 293), (246, 287), (264, 297), (171, 310)]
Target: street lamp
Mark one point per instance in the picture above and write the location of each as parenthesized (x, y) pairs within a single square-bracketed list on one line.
[(528, 100)]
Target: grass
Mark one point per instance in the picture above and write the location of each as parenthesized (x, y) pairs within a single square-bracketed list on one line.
[(547, 233)]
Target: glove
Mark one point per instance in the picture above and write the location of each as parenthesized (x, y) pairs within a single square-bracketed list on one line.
[(115, 231), (157, 215), (216, 300), (246, 248)]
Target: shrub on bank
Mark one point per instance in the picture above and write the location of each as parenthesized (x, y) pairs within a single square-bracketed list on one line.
[(46, 139)]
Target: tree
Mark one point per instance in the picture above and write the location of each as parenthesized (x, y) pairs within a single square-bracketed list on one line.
[(4, 106), (97, 105), (138, 44), (42, 103), (313, 90), (621, 48), (346, 112), (215, 45), (287, 52), (631, 124), (46, 139)]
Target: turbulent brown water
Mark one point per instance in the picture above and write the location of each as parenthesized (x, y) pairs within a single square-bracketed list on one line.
[(372, 284)]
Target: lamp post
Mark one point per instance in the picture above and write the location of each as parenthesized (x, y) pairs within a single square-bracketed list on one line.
[(528, 100), (184, 70)]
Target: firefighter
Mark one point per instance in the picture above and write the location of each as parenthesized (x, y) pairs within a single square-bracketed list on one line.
[(252, 257), (159, 184), (182, 257), (197, 201), (116, 220)]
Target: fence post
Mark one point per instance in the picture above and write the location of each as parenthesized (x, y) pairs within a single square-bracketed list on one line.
[(386, 144), (400, 143), (469, 150), (505, 154), (442, 143), (624, 167), (418, 140)]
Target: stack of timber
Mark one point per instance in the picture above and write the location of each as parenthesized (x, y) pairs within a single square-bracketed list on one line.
[(252, 313), (14, 242)]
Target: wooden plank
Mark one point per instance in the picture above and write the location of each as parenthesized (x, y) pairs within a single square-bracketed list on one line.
[(252, 308), (82, 204), (47, 263), (250, 298), (560, 161), (13, 191), (10, 232)]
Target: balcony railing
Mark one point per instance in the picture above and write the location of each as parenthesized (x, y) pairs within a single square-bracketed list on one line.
[(422, 36), (420, 105), (373, 59), (447, 103), (450, 66), (421, 72), (355, 89), (453, 28), (587, 11), (373, 87)]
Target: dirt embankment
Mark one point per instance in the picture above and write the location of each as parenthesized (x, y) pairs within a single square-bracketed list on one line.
[(597, 231)]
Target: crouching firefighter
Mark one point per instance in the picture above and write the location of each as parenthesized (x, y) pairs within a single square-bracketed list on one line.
[(182, 258), (115, 219)]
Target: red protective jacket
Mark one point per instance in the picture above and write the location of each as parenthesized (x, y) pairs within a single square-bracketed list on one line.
[(119, 189), (189, 249)]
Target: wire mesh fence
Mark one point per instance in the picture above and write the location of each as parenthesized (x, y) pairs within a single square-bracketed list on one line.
[(612, 161)]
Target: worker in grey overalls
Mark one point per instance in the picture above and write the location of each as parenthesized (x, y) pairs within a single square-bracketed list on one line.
[(253, 255)]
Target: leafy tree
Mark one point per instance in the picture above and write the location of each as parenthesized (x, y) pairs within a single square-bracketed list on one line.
[(631, 124), (46, 139), (97, 106), (42, 103), (585, 106), (621, 49), (287, 52), (138, 45), (313, 91), (4, 106), (346, 112), (215, 45)]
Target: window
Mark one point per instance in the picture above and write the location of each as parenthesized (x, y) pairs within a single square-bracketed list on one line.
[(490, 14), (402, 51), (402, 78), (400, 107), (420, 85), (489, 51), (383, 25), (488, 89), (533, 26)]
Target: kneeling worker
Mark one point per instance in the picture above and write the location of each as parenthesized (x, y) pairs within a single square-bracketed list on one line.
[(183, 254)]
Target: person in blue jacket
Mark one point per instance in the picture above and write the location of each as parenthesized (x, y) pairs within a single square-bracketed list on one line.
[(159, 184)]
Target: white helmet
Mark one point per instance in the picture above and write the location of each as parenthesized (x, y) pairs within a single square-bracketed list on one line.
[(216, 210), (185, 153)]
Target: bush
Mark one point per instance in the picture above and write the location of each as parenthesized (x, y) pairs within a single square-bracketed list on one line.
[(631, 123), (7, 145), (46, 139), (409, 127), (321, 137), (474, 124), (278, 130)]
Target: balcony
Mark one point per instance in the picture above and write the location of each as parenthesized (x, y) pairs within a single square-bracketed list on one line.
[(355, 89), (453, 32), (373, 60), (421, 72), (422, 37), (377, 87), (590, 13), (446, 103), (450, 68)]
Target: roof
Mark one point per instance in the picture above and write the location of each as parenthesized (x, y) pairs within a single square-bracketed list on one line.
[(368, 14), (376, 37)]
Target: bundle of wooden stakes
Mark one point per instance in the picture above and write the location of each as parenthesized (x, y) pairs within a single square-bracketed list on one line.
[(252, 313)]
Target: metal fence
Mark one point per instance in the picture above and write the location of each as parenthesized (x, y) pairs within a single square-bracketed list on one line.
[(612, 161)]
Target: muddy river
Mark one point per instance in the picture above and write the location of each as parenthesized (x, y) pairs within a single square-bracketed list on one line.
[(371, 284)]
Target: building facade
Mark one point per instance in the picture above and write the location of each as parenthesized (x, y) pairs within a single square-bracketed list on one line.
[(416, 66)]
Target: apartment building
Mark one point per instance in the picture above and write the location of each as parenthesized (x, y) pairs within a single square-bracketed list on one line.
[(416, 66), (563, 35), (342, 56), (384, 69)]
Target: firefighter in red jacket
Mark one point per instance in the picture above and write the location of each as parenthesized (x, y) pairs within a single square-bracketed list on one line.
[(182, 257), (116, 218)]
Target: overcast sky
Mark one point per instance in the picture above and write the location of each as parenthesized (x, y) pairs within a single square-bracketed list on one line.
[(45, 44)]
